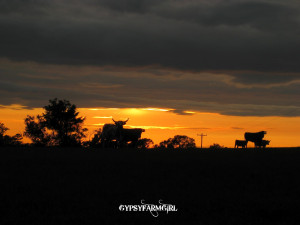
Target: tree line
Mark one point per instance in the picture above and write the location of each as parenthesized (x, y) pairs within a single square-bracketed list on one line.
[(60, 125)]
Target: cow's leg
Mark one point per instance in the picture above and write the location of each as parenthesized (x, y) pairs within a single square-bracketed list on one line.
[(116, 144)]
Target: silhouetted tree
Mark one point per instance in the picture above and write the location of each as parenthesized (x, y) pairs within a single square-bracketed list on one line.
[(3, 130), (144, 143), (166, 144), (178, 141), (6, 140), (35, 130), (96, 140), (58, 125)]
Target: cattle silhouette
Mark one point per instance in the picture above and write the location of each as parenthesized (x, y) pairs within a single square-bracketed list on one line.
[(130, 136), (262, 143), (241, 143), (116, 136), (110, 135), (255, 137)]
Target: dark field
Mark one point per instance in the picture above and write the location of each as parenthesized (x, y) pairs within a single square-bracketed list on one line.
[(76, 186)]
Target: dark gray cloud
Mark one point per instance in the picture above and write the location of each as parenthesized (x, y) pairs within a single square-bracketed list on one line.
[(262, 15), (192, 35), (231, 57), (33, 84), (249, 78), (132, 6)]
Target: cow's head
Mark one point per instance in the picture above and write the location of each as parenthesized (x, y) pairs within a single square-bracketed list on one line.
[(120, 123), (264, 132)]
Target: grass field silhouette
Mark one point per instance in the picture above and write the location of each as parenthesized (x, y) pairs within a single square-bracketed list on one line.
[(86, 186)]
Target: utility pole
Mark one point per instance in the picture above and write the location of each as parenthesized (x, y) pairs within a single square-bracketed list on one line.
[(202, 135)]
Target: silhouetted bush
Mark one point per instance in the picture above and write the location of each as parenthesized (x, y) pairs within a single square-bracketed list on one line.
[(59, 125), (216, 146), (144, 143), (178, 141)]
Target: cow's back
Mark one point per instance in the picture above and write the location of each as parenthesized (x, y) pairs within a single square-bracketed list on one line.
[(131, 134), (254, 137)]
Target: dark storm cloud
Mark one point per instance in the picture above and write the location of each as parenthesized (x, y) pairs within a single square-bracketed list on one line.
[(264, 79), (257, 14), (192, 35), (33, 84), (136, 6), (231, 57)]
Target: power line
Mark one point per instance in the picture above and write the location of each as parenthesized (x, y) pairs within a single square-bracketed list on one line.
[(202, 135)]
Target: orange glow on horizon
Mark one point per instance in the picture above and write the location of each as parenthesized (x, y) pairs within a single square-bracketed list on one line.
[(161, 124)]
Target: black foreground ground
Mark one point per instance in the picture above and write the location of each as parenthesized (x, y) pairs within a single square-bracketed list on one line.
[(78, 186)]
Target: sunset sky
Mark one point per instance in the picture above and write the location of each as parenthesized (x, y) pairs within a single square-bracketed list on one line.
[(218, 67)]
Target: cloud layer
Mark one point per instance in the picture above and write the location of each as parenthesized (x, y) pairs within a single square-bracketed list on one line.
[(231, 57), (194, 35), (32, 84)]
